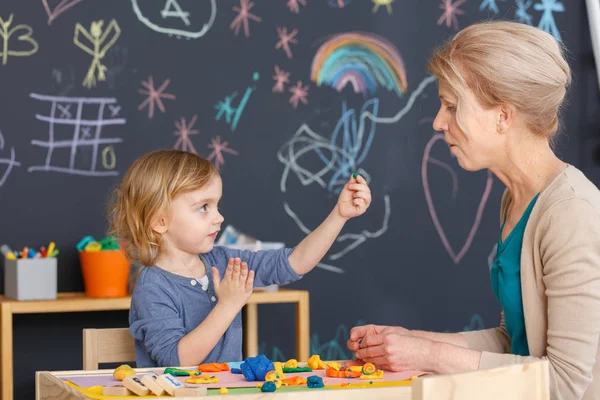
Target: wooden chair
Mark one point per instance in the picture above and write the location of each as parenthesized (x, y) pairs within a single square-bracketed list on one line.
[(515, 382), (107, 346)]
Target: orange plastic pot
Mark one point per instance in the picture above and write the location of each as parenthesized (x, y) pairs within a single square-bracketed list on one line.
[(105, 273)]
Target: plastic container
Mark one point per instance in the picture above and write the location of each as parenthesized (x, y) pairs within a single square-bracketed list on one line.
[(105, 273)]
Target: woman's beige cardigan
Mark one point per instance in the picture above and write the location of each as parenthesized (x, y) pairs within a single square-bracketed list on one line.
[(560, 282)]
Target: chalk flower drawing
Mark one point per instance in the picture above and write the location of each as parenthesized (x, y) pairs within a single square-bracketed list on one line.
[(184, 131), (154, 96), (243, 16)]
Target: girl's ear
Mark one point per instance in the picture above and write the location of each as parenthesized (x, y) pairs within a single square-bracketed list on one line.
[(161, 225)]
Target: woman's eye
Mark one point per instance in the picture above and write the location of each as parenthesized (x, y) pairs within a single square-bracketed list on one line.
[(451, 108)]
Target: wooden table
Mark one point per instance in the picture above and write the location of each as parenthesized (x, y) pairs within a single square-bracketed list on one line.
[(49, 386), (78, 302)]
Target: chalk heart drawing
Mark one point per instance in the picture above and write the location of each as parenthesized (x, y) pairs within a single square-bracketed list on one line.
[(456, 257), (181, 18), (54, 9)]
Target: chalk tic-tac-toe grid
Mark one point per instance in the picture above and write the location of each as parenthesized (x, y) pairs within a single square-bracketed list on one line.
[(75, 142)]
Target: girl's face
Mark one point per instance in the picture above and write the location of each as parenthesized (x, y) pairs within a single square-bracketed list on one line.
[(194, 220)]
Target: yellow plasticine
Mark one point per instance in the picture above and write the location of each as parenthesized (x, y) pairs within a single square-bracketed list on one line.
[(279, 369), (291, 363), (203, 379), (315, 362), (376, 375), (224, 390), (334, 365), (123, 371)]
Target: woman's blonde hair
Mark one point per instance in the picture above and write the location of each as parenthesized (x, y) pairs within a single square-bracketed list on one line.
[(147, 189), (505, 62)]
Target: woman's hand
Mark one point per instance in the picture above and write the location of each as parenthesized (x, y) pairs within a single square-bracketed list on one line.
[(358, 333), (396, 350)]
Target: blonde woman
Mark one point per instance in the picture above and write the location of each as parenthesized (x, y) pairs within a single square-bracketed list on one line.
[(501, 86)]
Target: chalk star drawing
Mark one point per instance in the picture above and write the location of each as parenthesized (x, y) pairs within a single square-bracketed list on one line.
[(299, 93), (451, 11), (386, 3), (218, 149), (338, 3), (281, 77), (521, 13), (427, 159), (60, 8), (490, 5), (24, 33), (242, 18), (97, 104), (285, 39), (100, 45), (294, 5), (154, 96), (188, 29), (173, 9), (336, 162), (9, 162), (184, 131), (232, 114), (547, 22)]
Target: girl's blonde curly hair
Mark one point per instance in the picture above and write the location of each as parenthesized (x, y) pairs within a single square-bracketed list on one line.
[(147, 189)]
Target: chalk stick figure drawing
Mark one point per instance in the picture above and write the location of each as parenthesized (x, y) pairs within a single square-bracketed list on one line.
[(521, 13), (490, 5), (294, 5), (196, 19), (451, 11), (386, 3), (232, 114), (218, 150), (154, 96), (86, 133), (23, 33), (285, 39), (100, 42), (9, 162), (184, 131), (243, 16), (60, 8), (547, 22)]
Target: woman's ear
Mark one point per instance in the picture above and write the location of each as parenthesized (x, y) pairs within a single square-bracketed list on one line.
[(506, 117)]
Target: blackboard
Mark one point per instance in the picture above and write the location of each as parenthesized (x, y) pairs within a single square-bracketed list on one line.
[(287, 107)]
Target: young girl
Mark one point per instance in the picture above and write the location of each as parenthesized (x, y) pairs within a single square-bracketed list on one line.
[(186, 305)]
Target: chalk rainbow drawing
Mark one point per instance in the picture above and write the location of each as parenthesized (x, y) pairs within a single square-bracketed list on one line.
[(363, 60)]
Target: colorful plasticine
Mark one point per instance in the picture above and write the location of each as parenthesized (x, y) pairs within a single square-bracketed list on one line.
[(314, 382), (213, 367), (203, 379), (123, 371), (256, 368), (268, 387), (315, 362), (181, 372)]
